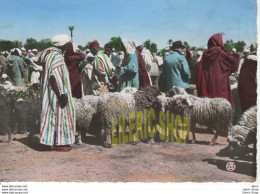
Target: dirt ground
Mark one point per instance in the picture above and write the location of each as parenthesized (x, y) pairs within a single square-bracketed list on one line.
[(24, 159)]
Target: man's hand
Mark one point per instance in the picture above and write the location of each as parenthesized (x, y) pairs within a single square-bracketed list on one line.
[(63, 100), (110, 86)]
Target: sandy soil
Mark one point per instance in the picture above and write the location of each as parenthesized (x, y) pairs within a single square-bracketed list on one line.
[(24, 159)]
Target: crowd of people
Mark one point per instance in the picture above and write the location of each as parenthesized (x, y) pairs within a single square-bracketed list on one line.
[(63, 72)]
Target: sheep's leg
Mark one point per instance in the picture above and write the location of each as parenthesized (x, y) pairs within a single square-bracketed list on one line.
[(4, 122), (210, 130), (108, 142), (105, 132), (193, 124), (78, 138), (254, 151), (213, 141)]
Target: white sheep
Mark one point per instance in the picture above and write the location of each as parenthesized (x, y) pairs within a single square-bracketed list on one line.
[(239, 134), (215, 113)]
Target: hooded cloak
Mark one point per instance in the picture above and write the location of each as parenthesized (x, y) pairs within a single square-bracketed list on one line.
[(214, 69)]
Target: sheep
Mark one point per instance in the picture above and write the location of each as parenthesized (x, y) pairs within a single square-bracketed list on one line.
[(26, 116), (130, 90), (86, 109), (178, 105), (6, 107), (104, 108), (112, 106), (244, 132), (215, 113), (101, 109)]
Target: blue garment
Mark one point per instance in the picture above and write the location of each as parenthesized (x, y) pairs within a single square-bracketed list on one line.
[(176, 71), (129, 74), (115, 60)]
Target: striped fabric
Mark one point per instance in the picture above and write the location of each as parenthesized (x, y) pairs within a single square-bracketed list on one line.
[(57, 124), (104, 71)]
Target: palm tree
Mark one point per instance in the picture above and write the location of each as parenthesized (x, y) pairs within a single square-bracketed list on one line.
[(71, 28)]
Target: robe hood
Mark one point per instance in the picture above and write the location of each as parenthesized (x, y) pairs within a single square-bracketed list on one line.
[(215, 41)]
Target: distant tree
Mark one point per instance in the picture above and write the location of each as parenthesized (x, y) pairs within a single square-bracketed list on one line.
[(71, 28), (31, 44), (162, 52), (147, 44), (152, 47), (170, 42), (117, 43), (193, 48), (240, 45), (44, 43), (7, 45), (229, 45), (201, 49), (186, 44)]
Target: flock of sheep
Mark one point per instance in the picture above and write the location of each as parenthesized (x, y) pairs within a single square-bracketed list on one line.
[(94, 113)]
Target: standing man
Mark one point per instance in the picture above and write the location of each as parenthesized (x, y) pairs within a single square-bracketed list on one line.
[(72, 59), (247, 83), (214, 69), (58, 113), (175, 68), (15, 67), (2, 63), (147, 58), (101, 66), (128, 72), (113, 61)]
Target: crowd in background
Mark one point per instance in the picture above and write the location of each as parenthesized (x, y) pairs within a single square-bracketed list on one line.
[(63, 72)]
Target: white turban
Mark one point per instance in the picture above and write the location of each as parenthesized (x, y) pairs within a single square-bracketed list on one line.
[(246, 50), (16, 49), (4, 76), (89, 55), (61, 39), (234, 49), (129, 47), (200, 53)]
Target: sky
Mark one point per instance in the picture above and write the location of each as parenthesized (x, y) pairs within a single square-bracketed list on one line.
[(193, 21)]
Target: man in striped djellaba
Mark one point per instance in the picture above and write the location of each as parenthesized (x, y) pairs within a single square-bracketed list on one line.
[(57, 109)]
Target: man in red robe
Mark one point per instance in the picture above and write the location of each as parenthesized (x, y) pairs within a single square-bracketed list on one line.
[(143, 74), (247, 83), (214, 70), (72, 60)]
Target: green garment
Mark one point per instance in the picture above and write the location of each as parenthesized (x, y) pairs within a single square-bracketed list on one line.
[(15, 67)]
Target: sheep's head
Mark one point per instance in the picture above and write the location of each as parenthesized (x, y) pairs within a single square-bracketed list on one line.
[(129, 90), (175, 90), (183, 101), (181, 105)]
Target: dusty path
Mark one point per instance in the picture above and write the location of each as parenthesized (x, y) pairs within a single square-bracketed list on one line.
[(25, 160)]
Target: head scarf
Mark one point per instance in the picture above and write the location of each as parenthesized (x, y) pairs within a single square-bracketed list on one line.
[(130, 49), (215, 41), (93, 43)]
